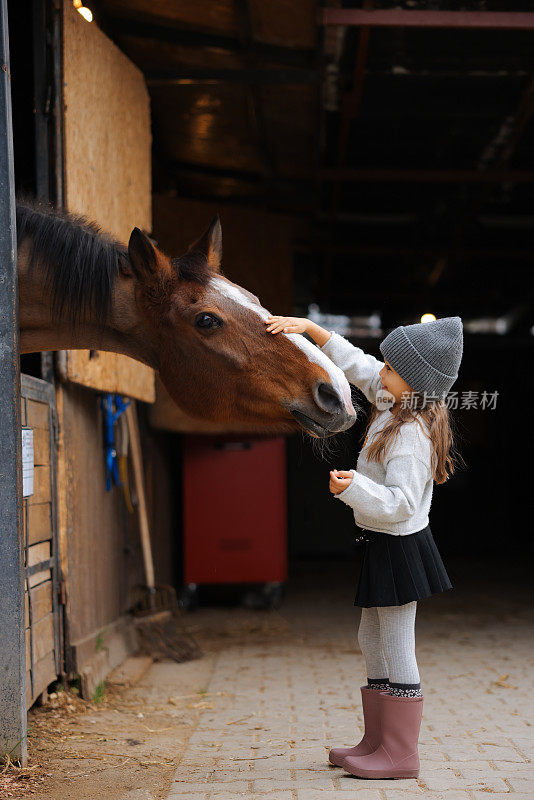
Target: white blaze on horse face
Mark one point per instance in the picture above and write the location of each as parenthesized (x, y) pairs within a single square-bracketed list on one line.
[(313, 353)]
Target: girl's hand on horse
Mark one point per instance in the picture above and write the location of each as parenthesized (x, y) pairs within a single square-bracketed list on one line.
[(339, 480), (286, 324), (298, 325)]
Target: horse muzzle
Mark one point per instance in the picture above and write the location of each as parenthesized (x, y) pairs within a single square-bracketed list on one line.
[(326, 415)]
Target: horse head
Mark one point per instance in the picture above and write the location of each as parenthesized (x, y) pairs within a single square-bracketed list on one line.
[(216, 359)]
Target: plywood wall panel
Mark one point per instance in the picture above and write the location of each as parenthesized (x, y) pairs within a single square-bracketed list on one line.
[(107, 169), (107, 130), (108, 372)]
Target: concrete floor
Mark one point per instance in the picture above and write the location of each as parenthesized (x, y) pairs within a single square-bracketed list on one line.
[(285, 688)]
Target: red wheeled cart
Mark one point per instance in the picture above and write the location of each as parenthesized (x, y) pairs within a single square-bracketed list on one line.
[(235, 519)]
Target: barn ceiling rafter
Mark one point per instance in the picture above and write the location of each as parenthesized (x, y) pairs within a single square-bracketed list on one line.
[(418, 117)]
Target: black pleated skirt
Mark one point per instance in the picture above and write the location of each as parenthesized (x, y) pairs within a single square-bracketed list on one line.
[(399, 569)]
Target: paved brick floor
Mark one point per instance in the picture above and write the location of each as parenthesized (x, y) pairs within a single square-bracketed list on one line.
[(285, 687)]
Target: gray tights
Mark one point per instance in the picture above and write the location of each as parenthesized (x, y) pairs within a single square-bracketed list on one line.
[(387, 639)]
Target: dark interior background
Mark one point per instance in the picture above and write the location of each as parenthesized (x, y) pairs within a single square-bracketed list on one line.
[(474, 513)]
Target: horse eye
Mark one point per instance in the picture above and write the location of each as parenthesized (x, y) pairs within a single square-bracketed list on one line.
[(208, 322)]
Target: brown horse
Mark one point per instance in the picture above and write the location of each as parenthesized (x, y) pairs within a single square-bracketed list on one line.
[(204, 335)]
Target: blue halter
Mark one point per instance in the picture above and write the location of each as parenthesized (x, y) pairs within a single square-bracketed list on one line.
[(112, 406)]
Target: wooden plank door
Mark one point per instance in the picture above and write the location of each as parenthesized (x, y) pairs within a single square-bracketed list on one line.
[(43, 611)]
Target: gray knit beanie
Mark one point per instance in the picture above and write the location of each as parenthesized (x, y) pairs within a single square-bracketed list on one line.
[(427, 355)]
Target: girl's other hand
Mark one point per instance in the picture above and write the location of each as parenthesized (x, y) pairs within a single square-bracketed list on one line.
[(339, 480), (286, 324)]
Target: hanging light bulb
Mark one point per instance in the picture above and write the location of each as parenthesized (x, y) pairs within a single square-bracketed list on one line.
[(428, 318), (86, 13), (77, 3)]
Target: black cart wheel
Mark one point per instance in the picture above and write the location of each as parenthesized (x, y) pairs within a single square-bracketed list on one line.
[(188, 598), (274, 594), (268, 596)]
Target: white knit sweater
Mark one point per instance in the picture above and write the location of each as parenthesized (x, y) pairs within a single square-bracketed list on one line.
[(393, 496)]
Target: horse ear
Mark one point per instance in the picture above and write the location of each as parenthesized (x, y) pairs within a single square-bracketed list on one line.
[(146, 260), (210, 244)]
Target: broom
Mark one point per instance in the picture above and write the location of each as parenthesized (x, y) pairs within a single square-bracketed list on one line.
[(156, 614)]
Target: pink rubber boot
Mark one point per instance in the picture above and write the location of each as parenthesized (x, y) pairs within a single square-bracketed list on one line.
[(371, 735), (396, 756)]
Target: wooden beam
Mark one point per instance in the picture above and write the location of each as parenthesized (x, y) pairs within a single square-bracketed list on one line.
[(255, 76), (465, 215), (522, 118), (355, 175), (386, 251), (399, 18), (257, 111), (118, 27), (350, 108), (352, 100), (289, 186), (212, 171)]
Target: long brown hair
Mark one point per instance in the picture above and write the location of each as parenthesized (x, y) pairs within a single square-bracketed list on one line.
[(433, 418)]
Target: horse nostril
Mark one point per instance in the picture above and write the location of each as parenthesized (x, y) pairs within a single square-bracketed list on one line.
[(327, 398)]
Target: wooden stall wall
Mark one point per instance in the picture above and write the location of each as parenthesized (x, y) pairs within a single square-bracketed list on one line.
[(99, 543), (107, 176), (257, 254)]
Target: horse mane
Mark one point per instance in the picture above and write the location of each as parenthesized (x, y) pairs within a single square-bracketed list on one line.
[(79, 261)]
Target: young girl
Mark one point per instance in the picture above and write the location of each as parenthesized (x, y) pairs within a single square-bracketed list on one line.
[(408, 446)]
